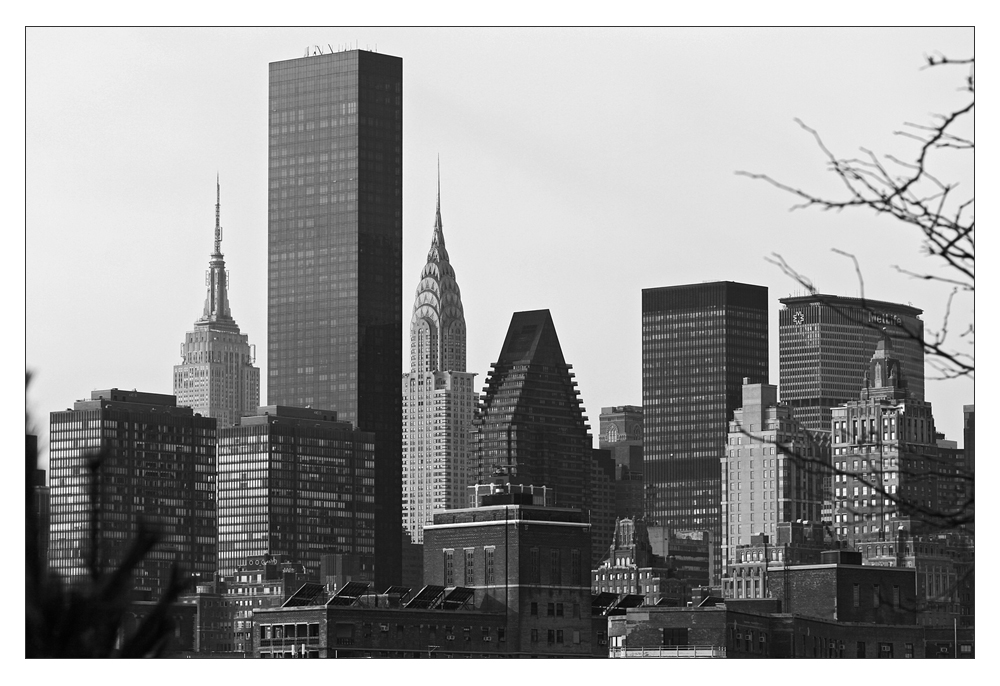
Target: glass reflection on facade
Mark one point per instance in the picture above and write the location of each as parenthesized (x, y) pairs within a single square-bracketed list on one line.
[(335, 255), (158, 467), (295, 484), (698, 344), (530, 423)]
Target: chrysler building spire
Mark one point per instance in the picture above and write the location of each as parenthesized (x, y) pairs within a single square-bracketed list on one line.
[(438, 395), (437, 327)]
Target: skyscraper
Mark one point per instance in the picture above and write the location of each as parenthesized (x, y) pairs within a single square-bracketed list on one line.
[(699, 341), (888, 466), (158, 468), (621, 433), (335, 256), (438, 396), (295, 484), (217, 377), (772, 471), (530, 423), (826, 343)]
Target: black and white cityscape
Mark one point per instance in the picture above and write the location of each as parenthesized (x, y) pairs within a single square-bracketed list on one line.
[(619, 402)]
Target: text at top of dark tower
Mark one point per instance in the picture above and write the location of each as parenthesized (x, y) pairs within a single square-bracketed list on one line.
[(699, 342), (530, 424), (826, 343), (335, 160)]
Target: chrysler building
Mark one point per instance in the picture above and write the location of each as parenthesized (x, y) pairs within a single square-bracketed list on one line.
[(438, 396)]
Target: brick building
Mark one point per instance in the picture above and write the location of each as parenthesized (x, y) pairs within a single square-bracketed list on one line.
[(837, 609), (522, 557), (356, 624)]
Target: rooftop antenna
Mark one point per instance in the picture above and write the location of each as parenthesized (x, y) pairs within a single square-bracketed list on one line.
[(218, 226)]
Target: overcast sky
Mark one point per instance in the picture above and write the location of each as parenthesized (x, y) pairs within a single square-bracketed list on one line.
[(578, 166)]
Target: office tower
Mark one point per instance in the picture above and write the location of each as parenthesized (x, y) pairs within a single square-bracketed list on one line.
[(530, 423), (217, 377), (621, 433), (296, 484), (699, 342), (158, 467), (438, 395), (518, 554), (826, 342), (896, 483), (772, 472), (885, 455), (601, 503), (335, 154), (37, 503)]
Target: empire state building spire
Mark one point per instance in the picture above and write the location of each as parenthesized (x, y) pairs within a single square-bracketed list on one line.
[(217, 376), (217, 300)]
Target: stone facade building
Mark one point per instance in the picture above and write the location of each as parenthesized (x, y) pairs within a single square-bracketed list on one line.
[(438, 396), (217, 377)]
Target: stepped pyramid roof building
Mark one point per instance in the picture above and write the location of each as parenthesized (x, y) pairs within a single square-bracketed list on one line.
[(217, 377), (531, 423), (438, 395)]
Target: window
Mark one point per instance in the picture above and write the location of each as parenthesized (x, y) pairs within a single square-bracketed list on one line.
[(574, 557), (555, 572), (470, 566), (875, 596), (559, 635), (857, 597), (449, 568), (675, 636), (861, 649), (534, 566), (551, 636), (490, 573), (885, 650), (551, 610), (559, 609), (534, 609), (895, 597), (909, 650), (534, 635)]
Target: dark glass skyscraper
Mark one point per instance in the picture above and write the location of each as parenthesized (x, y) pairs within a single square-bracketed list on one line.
[(698, 344), (530, 423), (335, 190), (295, 484), (826, 343)]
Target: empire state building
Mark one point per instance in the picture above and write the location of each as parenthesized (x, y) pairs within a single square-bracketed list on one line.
[(217, 376)]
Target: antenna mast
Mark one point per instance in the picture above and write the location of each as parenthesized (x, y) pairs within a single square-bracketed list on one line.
[(218, 226)]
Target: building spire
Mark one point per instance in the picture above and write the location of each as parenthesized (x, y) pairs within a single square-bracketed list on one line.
[(218, 226), (437, 327), (217, 299), (438, 251)]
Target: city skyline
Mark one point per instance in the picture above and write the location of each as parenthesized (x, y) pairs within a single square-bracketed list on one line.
[(561, 197)]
